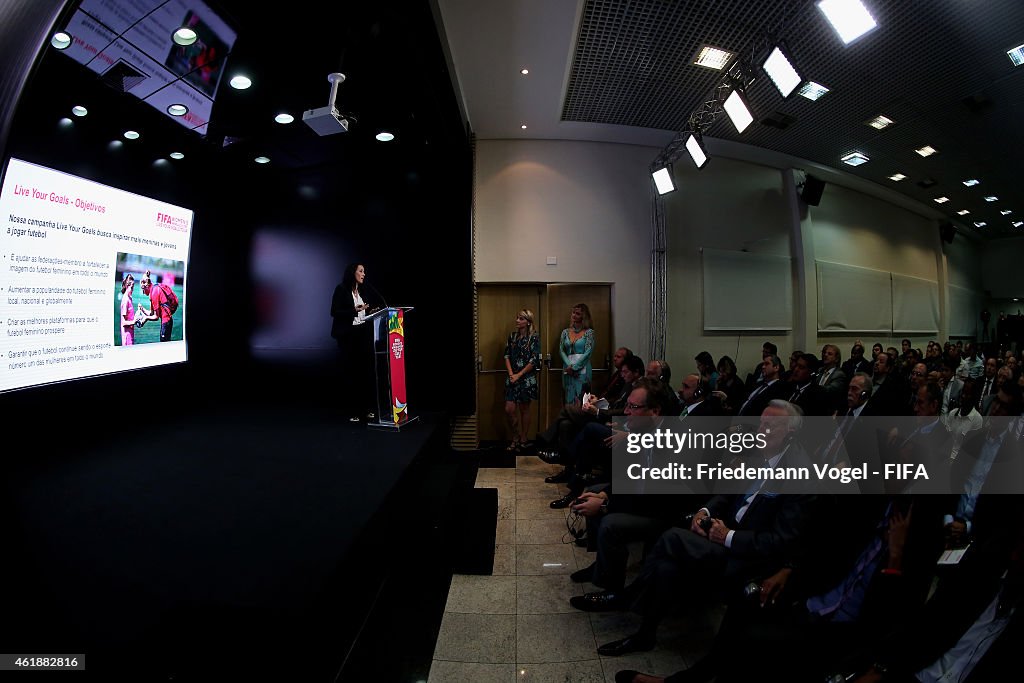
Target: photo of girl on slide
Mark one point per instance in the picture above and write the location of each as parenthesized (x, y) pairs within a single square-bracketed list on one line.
[(162, 300)]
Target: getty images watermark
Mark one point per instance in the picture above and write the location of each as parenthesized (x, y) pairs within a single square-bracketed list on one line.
[(801, 455)]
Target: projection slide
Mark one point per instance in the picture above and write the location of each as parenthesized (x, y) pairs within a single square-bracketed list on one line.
[(92, 278)]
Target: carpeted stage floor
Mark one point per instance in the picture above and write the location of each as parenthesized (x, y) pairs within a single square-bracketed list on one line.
[(279, 541)]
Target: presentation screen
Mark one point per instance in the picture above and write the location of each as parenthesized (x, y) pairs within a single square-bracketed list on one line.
[(92, 278)]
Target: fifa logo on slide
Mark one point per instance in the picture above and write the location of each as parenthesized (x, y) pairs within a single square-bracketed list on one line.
[(173, 222), (396, 348)]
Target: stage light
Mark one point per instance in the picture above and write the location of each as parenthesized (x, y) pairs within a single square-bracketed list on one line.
[(780, 69), (849, 18), (736, 107), (697, 152), (663, 179)]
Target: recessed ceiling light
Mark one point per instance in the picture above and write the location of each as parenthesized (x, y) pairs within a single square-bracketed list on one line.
[(849, 18), (177, 110), (854, 159), (926, 151), (262, 160), (897, 177), (1017, 224), (713, 58), (284, 118), (131, 135), (385, 136), (962, 212), (812, 91), (240, 82), (971, 182), (184, 36), (523, 126), (524, 71), (991, 198), (176, 155), (1016, 55), (60, 40), (1007, 212), (941, 200), (980, 224), (79, 110), (880, 122)]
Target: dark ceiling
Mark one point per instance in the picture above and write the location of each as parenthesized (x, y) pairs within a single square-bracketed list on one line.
[(396, 79)]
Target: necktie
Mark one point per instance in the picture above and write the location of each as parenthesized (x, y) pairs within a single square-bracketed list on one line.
[(824, 377), (754, 394)]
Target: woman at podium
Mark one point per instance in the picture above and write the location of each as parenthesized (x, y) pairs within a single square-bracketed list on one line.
[(355, 344)]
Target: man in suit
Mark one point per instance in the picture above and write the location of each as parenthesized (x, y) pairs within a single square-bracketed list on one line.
[(890, 395), (987, 383), (808, 394), (831, 377), (857, 362), (755, 378), (771, 388), (732, 539), (951, 385)]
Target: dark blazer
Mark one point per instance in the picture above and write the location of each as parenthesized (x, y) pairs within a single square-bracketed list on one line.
[(835, 388), (777, 389), (771, 526), (813, 401), (890, 398), (851, 367)]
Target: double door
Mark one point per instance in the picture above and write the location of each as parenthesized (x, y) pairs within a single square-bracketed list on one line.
[(497, 306)]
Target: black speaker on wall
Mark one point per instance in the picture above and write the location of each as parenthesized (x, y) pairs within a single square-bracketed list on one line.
[(947, 232), (813, 187)]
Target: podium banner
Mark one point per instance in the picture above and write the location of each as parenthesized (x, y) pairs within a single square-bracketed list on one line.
[(396, 365)]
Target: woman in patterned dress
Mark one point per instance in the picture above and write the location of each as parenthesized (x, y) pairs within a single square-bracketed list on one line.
[(575, 345), (522, 357)]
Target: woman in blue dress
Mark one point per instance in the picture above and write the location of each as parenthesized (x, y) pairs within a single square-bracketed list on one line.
[(575, 345), (522, 357)]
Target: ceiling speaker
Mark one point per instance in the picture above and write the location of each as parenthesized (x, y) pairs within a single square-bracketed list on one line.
[(813, 187), (947, 232)]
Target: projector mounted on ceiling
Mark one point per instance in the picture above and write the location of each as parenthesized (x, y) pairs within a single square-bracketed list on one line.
[(327, 120)]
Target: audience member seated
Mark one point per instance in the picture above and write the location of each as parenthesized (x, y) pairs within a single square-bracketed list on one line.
[(770, 388), (730, 391), (831, 378)]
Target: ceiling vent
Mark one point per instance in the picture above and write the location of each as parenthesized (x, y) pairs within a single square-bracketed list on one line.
[(123, 77)]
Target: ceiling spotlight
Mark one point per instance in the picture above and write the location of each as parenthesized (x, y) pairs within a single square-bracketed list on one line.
[(284, 118), (991, 198), (849, 18), (663, 179), (812, 91), (713, 58), (980, 224), (926, 151), (240, 82), (131, 135), (262, 160), (971, 182), (897, 177), (941, 200), (780, 69), (1016, 55), (962, 212), (736, 107), (880, 122), (79, 110), (60, 40), (1007, 212), (1017, 224), (176, 155), (177, 110), (854, 159), (385, 136), (184, 36), (524, 71), (523, 126), (696, 149)]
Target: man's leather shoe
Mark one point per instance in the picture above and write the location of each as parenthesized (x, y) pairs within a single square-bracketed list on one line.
[(583, 575), (605, 601), (550, 457), (634, 643), (563, 502), (560, 478)]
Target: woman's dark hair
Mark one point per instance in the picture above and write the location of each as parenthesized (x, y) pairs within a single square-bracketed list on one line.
[(704, 358), (348, 280), (729, 363)]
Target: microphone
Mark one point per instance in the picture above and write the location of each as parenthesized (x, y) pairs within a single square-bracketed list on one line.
[(379, 295)]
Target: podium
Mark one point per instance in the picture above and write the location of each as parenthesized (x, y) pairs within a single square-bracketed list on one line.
[(389, 368)]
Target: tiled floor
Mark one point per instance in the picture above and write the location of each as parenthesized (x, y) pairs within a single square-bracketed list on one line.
[(517, 624)]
